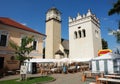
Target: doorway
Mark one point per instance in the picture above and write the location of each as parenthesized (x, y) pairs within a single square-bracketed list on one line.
[(1, 62)]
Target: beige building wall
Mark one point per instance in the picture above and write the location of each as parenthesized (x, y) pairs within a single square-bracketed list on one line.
[(57, 36), (15, 35), (57, 56), (53, 39), (62, 49), (49, 40)]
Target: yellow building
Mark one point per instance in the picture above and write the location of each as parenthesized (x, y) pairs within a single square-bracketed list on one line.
[(12, 30)]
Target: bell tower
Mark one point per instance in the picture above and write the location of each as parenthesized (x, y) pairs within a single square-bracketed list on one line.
[(84, 36), (53, 32)]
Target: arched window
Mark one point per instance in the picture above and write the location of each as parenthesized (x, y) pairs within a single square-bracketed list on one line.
[(75, 34), (79, 33), (84, 33)]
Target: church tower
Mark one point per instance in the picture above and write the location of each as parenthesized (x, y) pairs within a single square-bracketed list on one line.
[(84, 36), (53, 32)]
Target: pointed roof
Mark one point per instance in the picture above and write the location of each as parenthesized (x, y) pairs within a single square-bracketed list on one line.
[(54, 9), (10, 22), (65, 43), (59, 52)]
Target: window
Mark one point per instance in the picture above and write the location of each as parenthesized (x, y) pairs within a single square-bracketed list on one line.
[(34, 45), (75, 34), (3, 38), (96, 33), (79, 33), (1, 62), (79, 27), (84, 33)]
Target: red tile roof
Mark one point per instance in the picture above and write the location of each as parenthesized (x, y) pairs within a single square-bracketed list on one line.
[(10, 22)]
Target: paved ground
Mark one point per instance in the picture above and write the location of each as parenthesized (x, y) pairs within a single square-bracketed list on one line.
[(71, 78)]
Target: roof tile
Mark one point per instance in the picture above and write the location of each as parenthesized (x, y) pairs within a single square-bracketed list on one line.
[(10, 22)]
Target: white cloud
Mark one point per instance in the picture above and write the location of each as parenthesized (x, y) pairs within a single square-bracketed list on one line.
[(105, 18), (24, 24)]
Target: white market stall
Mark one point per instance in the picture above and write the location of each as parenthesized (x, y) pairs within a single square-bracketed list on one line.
[(81, 60), (31, 64), (107, 63)]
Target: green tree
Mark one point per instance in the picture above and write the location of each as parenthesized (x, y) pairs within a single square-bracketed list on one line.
[(22, 51), (115, 9), (117, 51), (116, 33), (104, 44)]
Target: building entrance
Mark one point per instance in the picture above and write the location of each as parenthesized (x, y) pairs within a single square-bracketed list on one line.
[(1, 62)]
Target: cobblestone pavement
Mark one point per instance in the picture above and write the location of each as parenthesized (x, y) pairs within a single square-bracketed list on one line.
[(70, 78), (18, 76)]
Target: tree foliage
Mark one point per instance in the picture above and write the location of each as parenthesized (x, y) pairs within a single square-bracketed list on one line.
[(104, 44), (115, 9), (117, 35), (22, 51)]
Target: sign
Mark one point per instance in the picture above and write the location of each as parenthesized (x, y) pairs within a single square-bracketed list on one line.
[(23, 69), (12, 61), (104, 51), (23, 72)]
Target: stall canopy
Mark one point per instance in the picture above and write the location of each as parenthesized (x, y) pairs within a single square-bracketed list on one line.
[(41, 60), (81, 59), (63, 60), (107, 56)]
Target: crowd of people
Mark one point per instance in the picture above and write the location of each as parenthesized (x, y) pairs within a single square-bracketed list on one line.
[(49, 68)]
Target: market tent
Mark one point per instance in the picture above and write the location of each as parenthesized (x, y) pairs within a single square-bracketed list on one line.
[(107, 56), (107, 63), (31, 64), (69, 61), (81, 59), (64, 60), (38, 60)]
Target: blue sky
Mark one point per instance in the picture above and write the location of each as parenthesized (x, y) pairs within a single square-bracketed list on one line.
[(32, 13)]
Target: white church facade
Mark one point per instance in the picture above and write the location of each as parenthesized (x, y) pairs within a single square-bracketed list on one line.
[(84, 36)]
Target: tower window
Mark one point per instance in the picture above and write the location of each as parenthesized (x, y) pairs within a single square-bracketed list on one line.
[(75, 34), (79, 27), (96, 33), (79, 33), (84, 33)]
